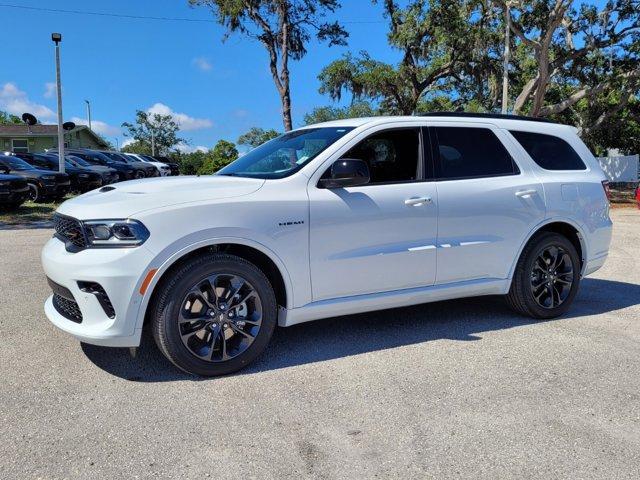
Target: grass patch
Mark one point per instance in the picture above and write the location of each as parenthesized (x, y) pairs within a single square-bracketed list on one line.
[(29, 213)]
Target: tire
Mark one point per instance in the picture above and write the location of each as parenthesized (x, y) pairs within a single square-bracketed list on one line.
[(172, 296), (34, 193), (529, 272)]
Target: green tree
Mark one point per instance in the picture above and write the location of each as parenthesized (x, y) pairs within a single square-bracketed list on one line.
[(221, 155), (432, 37), (256, 136), (9, 119), (284, 28), (137, 147), (155, 128), (568, 53), (328, 113)]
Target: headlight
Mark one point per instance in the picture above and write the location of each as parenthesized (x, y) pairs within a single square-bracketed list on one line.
[(48, 177), (5, 184), (115, 233), (83, 175)]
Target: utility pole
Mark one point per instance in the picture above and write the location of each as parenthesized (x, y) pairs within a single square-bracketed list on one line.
[(505, 64), (88, 113), (57, 38), (153, 143), (117, 144)]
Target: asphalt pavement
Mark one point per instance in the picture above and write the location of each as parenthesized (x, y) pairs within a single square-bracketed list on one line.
[(458, 389)]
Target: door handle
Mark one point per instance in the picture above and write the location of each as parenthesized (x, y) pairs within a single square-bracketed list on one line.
[(526, 193), (417, 201)]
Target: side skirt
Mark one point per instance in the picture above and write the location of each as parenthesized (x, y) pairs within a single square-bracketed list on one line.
[(398, 298)]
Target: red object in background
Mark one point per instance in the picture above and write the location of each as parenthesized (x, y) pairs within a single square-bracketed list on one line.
[(605, 185), (638, 195)]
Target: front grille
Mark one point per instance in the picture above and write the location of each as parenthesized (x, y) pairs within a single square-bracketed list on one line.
[(67, 308), (70, 231)]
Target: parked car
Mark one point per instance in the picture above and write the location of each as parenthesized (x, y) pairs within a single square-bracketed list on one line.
[(143, 169), (175, 168), (124, 171), (329, 220), (109, 175), (43, 184), (163, 170), (82, 179), (13, 190)]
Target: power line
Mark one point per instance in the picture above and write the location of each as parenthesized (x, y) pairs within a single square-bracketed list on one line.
[(136, 17)]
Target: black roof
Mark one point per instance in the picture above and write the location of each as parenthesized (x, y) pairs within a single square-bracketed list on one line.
[(501, 116)]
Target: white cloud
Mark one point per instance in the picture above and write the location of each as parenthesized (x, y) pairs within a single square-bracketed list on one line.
[(202, 64), (49, 90), (98, 126), (185, 121), (184, 148), (14, 100), (126, 141)]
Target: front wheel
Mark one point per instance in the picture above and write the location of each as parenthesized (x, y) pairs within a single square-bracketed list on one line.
[(547, 277), (34, 193), (214, 315)]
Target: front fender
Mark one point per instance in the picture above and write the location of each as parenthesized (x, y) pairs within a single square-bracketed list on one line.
[(177, 250)]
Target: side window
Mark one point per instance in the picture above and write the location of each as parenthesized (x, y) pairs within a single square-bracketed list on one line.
[(549, 152), (393, 155), (464, 152)]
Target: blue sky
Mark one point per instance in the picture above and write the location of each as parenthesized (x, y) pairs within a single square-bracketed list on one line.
[(220, 89)]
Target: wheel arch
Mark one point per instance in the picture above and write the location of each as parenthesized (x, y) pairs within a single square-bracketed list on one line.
[(260, 255), (568, 228)]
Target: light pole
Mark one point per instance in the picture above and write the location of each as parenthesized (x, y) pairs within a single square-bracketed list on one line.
[(117, 144), (57, 38), (153, 143), (88, 112), (505, 63)]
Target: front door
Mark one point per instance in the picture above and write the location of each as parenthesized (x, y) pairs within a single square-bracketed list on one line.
[(381, 236)]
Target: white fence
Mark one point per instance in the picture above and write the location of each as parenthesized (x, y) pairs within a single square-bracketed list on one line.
[(620, 169)]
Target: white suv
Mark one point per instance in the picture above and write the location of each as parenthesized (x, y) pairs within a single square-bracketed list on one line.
[(331, 219)]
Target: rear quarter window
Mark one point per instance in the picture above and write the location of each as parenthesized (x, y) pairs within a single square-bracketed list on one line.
[(549, 152)]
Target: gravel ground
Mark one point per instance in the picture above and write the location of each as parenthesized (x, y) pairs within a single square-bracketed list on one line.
[(459, 389)]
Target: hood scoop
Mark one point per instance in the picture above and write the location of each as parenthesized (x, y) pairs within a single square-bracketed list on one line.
[(106, 189)]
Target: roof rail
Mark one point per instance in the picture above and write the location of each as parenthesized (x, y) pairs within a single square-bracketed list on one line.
[(501, 116)]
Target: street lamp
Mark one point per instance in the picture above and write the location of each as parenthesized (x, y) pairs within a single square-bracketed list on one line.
[(88, 112), (57, 38)]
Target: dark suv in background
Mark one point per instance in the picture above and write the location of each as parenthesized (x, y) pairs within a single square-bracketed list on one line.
[(82, 179), (13, 190), (96, 158), (146, 169), (43, 184), (175, 168)]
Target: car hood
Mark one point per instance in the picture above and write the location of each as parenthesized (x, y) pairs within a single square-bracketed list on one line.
[(125, 199)]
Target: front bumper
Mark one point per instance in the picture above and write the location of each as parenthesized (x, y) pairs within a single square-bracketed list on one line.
[(118, 271), (58, 189)]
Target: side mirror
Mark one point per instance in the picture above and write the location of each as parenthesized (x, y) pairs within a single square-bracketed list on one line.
[(346, 172)]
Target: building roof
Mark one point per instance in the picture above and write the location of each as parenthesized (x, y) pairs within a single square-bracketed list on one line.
[(21, 130), (26, 130)]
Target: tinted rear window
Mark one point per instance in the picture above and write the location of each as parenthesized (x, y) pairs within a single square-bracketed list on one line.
[(549, 152), (470, 152)]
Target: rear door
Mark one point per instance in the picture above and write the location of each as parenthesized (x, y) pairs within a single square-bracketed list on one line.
[(487, 201)]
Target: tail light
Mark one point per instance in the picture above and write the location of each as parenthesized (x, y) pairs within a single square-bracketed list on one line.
[(607, 191)]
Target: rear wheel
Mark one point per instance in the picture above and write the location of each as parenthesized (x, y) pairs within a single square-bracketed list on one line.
[(214, 315), (547, 277)]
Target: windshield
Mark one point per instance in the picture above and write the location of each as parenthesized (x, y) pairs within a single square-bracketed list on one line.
[(115, 157), (282, 156), (15, 163), (77, 161)]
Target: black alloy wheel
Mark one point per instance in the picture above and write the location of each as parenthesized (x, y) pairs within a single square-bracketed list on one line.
[(551, 277), (220, 317), (546, 278), (213, 314)]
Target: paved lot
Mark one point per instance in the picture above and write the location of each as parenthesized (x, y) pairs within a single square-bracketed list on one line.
[(461, 389)]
